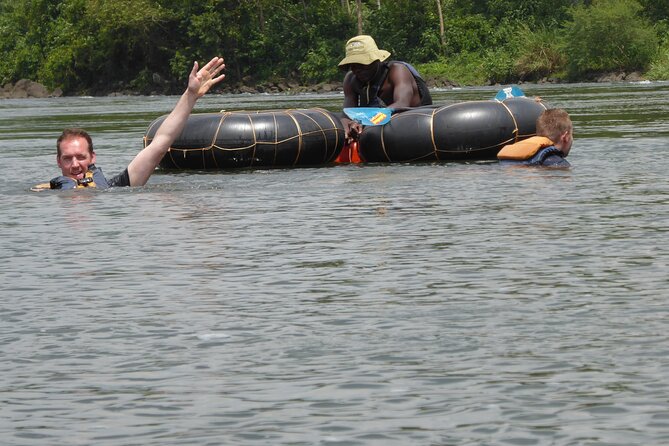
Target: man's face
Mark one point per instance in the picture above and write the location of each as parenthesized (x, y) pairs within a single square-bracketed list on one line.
[(75, 157), (365, 73)]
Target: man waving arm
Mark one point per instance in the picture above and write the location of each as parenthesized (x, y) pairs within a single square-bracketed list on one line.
[(199, 82)]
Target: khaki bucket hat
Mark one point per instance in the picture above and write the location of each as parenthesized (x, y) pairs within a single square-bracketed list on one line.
[(362, 50)]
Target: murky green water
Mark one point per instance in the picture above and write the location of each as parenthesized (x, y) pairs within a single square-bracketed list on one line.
[(449, 304)]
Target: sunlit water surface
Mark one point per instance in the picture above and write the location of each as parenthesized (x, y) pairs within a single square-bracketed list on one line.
[(437, 304)]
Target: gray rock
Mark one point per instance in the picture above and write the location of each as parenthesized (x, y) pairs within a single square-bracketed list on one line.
[(26, 88)]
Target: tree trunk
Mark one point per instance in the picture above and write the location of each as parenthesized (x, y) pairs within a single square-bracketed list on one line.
[(358, 4), (442, 31), (304, 9), (261, 16)]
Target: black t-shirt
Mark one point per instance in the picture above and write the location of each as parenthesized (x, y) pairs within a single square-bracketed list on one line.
[(120, 180)]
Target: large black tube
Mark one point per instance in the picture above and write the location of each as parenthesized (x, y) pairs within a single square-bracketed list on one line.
[(232, 140), (464, 131)]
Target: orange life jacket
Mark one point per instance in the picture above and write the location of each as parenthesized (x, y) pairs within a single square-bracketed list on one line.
[(525, 149)]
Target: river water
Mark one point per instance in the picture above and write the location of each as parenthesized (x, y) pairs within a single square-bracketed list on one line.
[(433, 304)]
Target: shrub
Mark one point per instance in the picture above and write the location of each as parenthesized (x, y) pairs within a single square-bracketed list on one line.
[(461, 69), (608, 35), (539, 54), (320, 65), (659, 67)]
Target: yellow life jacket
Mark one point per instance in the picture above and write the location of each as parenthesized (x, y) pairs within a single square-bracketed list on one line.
[(40, 187), (93, 178), (525, 149)]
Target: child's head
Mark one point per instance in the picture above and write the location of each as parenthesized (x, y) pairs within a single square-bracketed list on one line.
[(555, 124)]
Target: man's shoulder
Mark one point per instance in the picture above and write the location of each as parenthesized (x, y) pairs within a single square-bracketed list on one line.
[(397, 68), (400, 65), (350, 80), (395, 65)]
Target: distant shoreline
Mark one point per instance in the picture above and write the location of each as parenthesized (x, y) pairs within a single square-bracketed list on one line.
[(27, 89)]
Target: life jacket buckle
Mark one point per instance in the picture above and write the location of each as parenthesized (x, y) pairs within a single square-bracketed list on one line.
[(85, 181)]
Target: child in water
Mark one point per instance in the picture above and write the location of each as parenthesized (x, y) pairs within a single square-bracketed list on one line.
[(549, 148)]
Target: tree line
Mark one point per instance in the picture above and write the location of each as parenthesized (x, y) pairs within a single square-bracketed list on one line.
[(99, 46)]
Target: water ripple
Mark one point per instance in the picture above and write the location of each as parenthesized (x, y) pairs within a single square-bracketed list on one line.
[(457, 303)]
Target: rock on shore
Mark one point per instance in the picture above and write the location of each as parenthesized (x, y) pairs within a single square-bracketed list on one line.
[(27, 89)]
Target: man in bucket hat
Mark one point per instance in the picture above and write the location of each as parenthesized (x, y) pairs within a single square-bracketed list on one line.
[(373, 81)]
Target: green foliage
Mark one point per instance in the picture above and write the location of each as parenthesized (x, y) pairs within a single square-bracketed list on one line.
[(270, 39), (22, 41), (528, 12), (655, 10), (82, 45), (498, 66), (320, 65), (659, 67), (480, 53), (461, 69), (472, 33), (406, 28), (97, 46), (609, 35), (539, 53), (64, 64)]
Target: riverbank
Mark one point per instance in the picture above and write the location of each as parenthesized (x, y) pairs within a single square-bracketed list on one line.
[(25, 88)]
